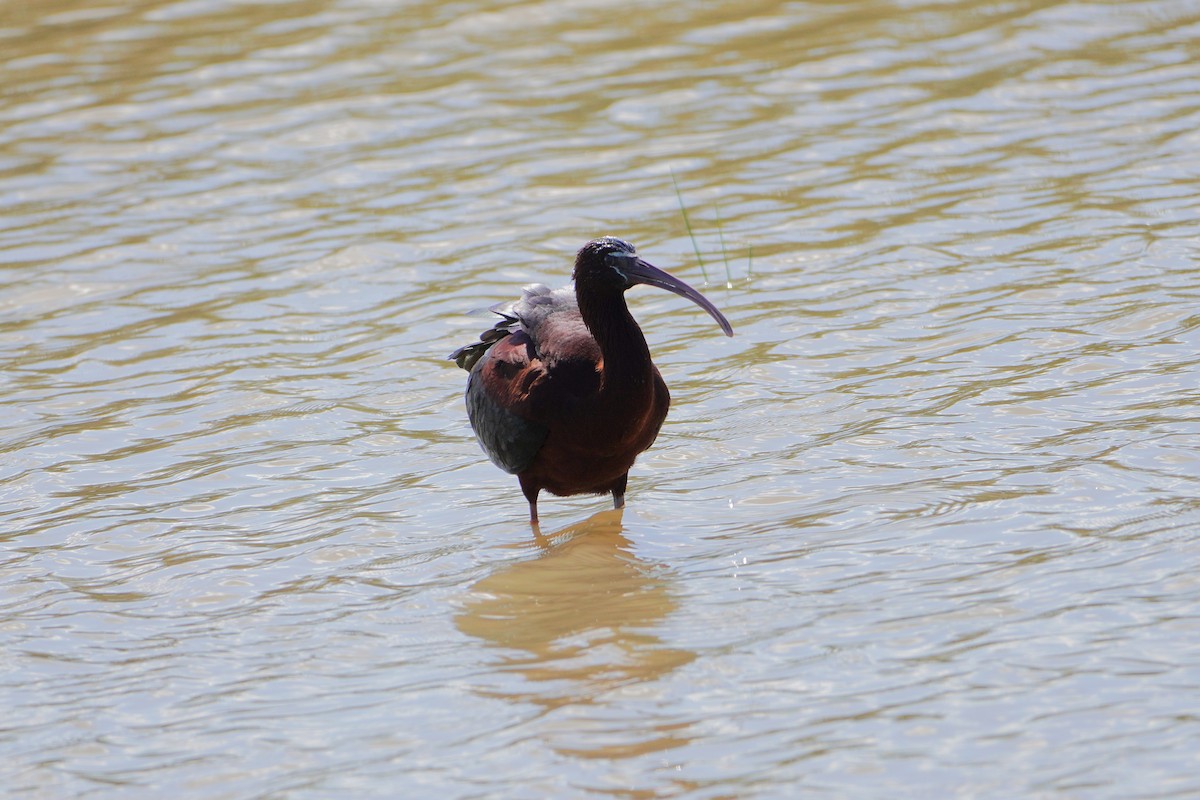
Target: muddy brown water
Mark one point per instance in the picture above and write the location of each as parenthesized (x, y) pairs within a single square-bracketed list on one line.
[(927, 526)]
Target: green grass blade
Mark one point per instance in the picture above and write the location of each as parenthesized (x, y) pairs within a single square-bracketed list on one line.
[(724, 251), (688, 224)]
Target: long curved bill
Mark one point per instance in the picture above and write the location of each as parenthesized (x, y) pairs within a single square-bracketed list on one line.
[(638, 271)]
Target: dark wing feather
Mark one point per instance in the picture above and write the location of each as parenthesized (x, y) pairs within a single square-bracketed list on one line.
[(510, 440), (504, 364), (537, 302)]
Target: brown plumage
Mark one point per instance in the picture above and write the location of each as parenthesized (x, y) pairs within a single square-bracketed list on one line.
[(562, 392)]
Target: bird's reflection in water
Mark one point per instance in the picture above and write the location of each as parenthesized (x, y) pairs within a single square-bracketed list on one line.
[(577, 623)]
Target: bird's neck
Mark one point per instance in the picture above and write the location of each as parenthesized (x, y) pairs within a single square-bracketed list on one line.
[(627, 364)]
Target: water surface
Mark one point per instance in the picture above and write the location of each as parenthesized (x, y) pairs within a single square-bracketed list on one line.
[(925, 527)]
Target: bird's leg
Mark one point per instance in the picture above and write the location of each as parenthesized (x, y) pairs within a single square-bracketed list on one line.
[(530, 490), (619, 491)]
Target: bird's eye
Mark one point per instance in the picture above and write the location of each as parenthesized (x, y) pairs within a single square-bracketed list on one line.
[(618, 260)]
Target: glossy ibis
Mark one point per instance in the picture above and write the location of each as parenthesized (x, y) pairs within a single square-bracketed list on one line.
[(562, 392)]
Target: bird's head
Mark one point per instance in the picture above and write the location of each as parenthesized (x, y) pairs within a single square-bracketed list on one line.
[(602, 264), (611, 265)]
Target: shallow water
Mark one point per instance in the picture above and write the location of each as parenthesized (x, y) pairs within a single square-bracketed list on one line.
[(925, 527)]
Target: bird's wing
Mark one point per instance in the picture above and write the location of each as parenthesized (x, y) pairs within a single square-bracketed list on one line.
[(505, 367), (530, 312), (498, 403)]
